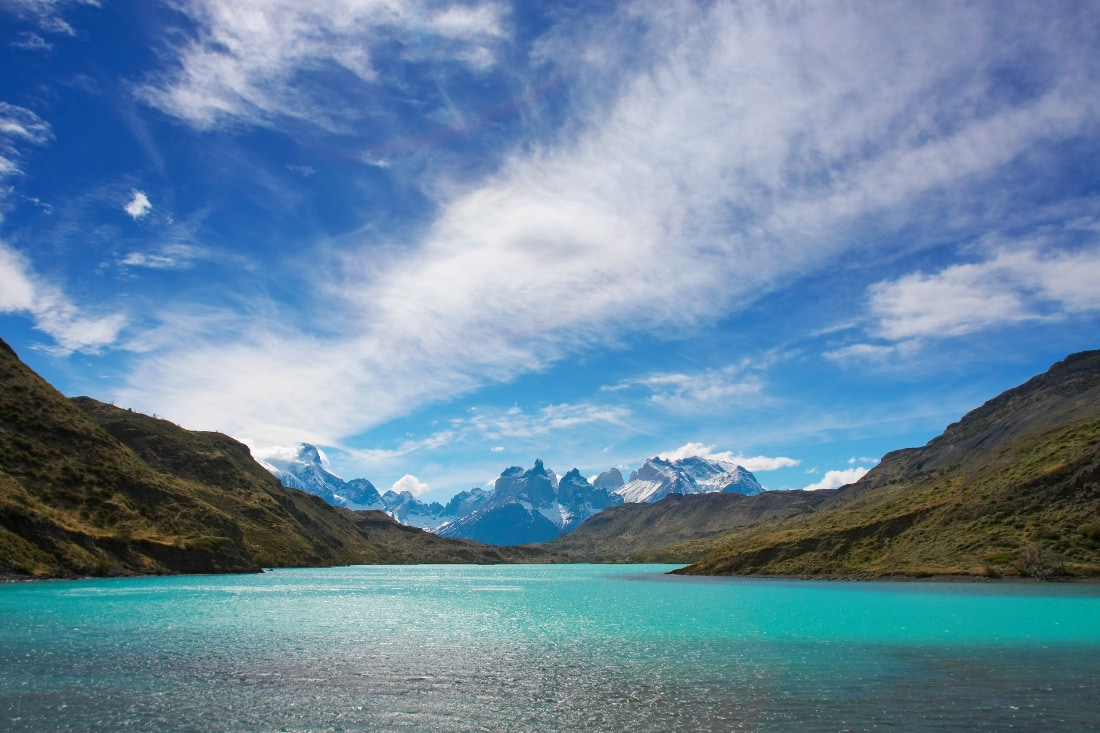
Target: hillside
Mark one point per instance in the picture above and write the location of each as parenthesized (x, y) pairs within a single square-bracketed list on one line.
[(1012, 489), (403, 544), (91, 489), (675, 529)]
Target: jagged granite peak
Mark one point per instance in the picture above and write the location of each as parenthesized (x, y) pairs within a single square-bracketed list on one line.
[(658, 477), (465, 502), (529, 504), (535, 485), (610, 479), (571, 485), (407, 509), (361, 493)]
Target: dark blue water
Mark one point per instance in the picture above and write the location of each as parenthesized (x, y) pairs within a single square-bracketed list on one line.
[(544, 648)]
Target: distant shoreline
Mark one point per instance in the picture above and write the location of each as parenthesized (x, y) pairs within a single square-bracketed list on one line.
[(860, 578)]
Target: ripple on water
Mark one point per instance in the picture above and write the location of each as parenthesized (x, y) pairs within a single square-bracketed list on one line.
[(528, 649)]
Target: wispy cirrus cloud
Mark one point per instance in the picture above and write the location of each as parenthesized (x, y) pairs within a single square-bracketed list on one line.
[(72, 329), (48, 15), (715, 389), (19, 127), (22, 289), (177, 256), (251, 61), (741, 148), (515, 423)]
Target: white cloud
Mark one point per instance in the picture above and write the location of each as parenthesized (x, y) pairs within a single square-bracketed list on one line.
[(411, 484), (251, 59), (1011, 287), (16, 288), (497, 449), (47, 13), (754, 463), (711, 390), (19, 127), (19, 123), (139, 205), (32, 42), (168, 257), (275, 455), (836, 479), (516, 424), (21, 290), (742, 152)]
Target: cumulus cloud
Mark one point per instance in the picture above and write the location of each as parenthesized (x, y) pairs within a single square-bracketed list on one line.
[(139, 205), (754, 463), (251, 59), (22, 290), (836, 479), (411, 484), (745, 150)]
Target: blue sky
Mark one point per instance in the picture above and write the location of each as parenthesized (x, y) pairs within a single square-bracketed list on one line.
[(439, 239)]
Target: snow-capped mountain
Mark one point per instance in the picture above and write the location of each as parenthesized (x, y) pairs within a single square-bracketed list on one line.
[(524, 506), (407, 509), (531, 506), (308, 471), (658, 478)]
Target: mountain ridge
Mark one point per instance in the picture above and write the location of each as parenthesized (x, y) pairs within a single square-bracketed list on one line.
[(88, 488), (1012, 489)]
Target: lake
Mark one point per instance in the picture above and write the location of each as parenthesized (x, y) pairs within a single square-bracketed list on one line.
[(544, 648)]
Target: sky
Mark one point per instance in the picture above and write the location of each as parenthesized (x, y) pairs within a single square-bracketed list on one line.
[(438, 239)]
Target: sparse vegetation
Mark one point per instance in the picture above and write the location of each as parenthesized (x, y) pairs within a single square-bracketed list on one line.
[(1012, 490), (87, 488)]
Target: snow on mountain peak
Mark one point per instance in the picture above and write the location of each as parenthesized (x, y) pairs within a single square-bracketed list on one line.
[(658, 477)]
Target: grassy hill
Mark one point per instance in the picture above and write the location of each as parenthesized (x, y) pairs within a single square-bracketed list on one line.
[(90, 489), (1012, 489), (676, 529), (404, 544)]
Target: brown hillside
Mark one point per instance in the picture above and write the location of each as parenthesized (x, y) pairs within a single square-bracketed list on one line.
[(1012, 489)]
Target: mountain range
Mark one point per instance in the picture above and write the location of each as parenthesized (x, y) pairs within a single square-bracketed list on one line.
[(525, 505), (1010, 490)]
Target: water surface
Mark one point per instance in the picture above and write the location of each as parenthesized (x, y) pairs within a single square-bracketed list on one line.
[(544, 648)]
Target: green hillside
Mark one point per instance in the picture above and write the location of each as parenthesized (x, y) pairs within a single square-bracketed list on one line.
[(676, 529), (91, 489), (1013, 489)]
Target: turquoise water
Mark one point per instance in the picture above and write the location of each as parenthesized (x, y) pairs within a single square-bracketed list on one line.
[(544, 648)]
